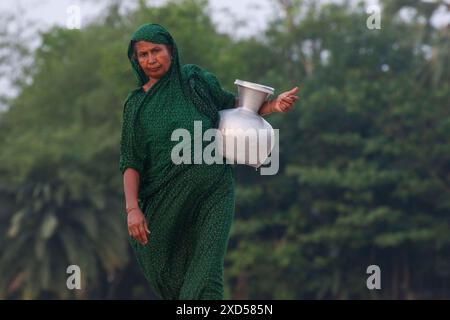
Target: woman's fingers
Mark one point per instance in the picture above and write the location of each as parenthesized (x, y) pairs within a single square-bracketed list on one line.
[(134, 232), (286, 100), (144, 230), (286, 106), (142, 234), (289, 99), (293, 91), (286, 103), (146, 227), (139, 235)]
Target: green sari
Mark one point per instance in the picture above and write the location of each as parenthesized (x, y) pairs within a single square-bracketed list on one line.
[(189, 208)]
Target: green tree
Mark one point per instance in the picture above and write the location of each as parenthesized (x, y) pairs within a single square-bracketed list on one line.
[(364, 176), (59, 159), (364, 157)]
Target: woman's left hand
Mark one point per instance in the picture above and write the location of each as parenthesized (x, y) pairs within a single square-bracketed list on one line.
[(285, 101)]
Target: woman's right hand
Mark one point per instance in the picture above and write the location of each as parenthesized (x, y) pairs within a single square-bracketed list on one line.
[(137, 226)]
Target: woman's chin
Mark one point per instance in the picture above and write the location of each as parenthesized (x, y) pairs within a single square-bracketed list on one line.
[(154, 75)]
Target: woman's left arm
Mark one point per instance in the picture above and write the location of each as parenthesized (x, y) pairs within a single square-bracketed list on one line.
[(282, 103)]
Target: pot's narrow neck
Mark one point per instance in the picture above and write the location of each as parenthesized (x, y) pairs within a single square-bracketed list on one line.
[(251, 109), (252, 96)]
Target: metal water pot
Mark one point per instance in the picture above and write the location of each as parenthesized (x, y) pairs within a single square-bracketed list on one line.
[(246, 138)]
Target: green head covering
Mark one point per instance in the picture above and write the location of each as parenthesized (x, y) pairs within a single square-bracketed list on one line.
[(155, 33), (185, 85)]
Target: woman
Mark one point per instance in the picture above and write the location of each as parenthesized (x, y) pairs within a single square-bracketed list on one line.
[(189, 208)]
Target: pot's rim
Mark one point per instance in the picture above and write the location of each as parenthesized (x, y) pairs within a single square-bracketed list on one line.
[(255, 86)]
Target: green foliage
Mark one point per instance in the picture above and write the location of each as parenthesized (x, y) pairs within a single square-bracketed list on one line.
[(364, 157)]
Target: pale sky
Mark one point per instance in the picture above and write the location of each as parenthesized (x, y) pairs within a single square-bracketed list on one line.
[(256, 13), (47, 13), (51, 12)]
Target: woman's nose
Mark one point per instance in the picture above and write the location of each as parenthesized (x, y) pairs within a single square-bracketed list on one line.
[(152, 59)]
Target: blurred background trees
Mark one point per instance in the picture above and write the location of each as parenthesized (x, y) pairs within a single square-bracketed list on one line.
[(365, 156)]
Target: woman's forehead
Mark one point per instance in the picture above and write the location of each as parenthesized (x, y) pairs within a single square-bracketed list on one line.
[(146, 45)]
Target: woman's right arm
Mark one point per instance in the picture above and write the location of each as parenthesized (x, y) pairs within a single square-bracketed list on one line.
[(137, 225), (131, 187), (131, 164)]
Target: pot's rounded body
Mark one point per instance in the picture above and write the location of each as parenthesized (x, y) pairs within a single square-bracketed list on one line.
[(246, 138)]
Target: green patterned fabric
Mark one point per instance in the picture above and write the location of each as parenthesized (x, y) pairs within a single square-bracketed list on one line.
[(189, 208)]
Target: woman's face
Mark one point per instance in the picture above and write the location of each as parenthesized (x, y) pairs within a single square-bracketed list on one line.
[(154, 59)]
